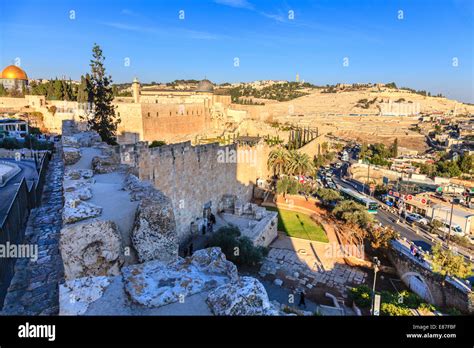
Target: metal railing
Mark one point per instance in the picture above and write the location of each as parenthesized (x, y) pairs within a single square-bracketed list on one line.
[(13, 225)]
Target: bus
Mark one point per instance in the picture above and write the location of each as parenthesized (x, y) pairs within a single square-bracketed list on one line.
[(370, 204)]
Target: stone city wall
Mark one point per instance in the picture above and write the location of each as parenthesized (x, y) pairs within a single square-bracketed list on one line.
[(12, 103), (447, 296), (162, 122), (192, 176)]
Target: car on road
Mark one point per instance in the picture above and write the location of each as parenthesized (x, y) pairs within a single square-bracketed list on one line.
[(417, 218), (470, 238), (455, 228)]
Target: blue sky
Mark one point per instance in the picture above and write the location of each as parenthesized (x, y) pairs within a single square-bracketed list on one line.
[(416, 51)]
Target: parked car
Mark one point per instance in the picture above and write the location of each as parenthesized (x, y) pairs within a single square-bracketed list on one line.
[(470, 238), (417, 218), (455, 228)]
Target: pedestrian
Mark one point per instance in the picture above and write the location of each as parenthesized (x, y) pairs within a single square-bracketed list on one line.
[(191, 249), (23, 154), (213, 218), (302, 301)]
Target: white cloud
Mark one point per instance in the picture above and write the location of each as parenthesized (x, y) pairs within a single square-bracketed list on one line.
[(194, 34), (235, 3)]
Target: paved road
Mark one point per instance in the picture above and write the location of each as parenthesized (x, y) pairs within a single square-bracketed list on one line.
[(8, 191), (421, 239)]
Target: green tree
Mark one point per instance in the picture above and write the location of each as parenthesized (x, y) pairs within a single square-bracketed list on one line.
[(229, 239), (299, 163), (278, 160), (282, 186), (104, 120), (380, 238), (328, 196), (435, 226), (352, 213), (394, 148), (466, 163), (445, 262), (58, 90), (324, 147), (157, 143)]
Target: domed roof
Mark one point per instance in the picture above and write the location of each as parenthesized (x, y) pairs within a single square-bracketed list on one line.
[(205, 86), (13, 72)]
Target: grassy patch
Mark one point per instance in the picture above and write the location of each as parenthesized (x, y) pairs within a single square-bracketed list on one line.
[(299, 225)]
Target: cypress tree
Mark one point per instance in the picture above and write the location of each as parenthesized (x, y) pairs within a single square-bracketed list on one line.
[(104, 120)]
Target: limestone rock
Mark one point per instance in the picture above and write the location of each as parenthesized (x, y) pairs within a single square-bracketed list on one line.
[(81, 139), (246, 297), (104, 164), (91, 249), (77, 174), (154, 233), (76, 210), (76, 295), (70, 141), (157, 283), (82, 193), (73, 185), (71, 155)]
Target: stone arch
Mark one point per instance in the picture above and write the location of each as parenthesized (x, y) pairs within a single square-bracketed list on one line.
[(406, 279)]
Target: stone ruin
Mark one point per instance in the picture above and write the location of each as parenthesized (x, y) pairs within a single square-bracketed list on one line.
[(98, 280), (255, 222)]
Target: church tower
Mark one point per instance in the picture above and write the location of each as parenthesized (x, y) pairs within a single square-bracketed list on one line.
[(136, 90)]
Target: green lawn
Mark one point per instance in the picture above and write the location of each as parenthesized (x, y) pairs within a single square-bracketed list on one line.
[(299, 225)]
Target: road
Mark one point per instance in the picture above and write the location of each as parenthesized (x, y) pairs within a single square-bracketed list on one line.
[(7, 193), (420, 237)]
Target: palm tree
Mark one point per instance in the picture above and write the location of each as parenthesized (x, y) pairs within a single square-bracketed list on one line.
[(299, 163), (278, 160)]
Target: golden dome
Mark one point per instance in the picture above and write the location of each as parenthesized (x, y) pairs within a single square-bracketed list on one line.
[(13, 72)]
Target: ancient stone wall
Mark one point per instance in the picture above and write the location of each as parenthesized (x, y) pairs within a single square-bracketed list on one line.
[(163, 121), (192, 177), (447, 295), (12, 103), (130, 129)]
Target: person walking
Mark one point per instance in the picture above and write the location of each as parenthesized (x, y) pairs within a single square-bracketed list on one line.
[(302, 302)]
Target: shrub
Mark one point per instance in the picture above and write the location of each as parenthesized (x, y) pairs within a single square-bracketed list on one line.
[(391, 309), (238, 249), (10, 144), (361, 295), (157, 143)]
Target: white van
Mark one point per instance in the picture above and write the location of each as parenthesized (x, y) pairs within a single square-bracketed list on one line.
[(455, 228)]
